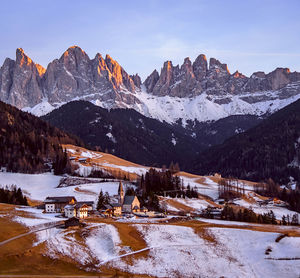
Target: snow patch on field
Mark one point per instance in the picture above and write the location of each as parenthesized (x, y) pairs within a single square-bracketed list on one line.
[(286, 248), (197, 204), (65, 244), (208, 187), (104, 242), (45, 235), (100, 243), (129, 169), (249, 248), (36, 217), (83, 170)]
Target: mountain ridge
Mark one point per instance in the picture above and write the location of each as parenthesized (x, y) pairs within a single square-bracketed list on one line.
[(200, 90)]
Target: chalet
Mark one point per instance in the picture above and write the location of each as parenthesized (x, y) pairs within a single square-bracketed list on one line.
[(90, 205), (79, 210), (57, 204), (129, 203)]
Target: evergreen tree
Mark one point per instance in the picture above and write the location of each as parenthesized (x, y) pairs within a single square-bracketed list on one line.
[(106, 200), (101, 200)]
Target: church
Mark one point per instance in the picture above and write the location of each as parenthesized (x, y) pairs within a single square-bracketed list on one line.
[(129, 203)]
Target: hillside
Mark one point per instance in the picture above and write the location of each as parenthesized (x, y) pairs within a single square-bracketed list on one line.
[(27, 143), (269, 150), (125, 133)]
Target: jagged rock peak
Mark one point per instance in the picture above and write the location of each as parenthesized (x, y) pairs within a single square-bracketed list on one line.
[(73, 49), (151, 81), (23, 60), (200, 67), (258, 74), (187, 61), (214, 63), (136, 80), (75, 54), (237, 74)]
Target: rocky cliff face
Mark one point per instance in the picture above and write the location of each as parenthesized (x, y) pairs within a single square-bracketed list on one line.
[(192, 79), (199, 90), (20, 81), (74, 75)]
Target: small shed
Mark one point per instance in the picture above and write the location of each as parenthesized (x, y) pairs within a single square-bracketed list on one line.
[(117, 209), (72, 222), (107, 210)]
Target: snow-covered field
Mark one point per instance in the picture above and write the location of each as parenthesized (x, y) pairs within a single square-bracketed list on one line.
[(35, 217), (278, 211), (136, 170), (208, 187), (197, 204), (40, 186), (179, 251)]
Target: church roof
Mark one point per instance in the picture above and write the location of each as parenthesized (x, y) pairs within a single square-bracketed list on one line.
[(128, 200)]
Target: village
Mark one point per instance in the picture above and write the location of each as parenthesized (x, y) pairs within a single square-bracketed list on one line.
[(68, 207)]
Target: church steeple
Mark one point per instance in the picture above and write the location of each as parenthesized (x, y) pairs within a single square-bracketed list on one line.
[(121, 193)]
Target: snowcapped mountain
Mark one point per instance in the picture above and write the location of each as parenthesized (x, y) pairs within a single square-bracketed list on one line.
[(199, 90)]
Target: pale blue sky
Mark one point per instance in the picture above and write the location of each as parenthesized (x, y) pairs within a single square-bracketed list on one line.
[(247, 35)]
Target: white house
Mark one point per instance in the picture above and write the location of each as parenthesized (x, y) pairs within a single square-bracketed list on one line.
[(57, 204), (76, 210)]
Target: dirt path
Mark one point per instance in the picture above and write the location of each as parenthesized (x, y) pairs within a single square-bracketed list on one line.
[(49, 226)]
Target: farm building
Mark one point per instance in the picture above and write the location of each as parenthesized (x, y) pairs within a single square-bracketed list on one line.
[(57, 204)]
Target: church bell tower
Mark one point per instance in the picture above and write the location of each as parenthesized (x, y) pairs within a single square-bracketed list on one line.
[(121, 193)]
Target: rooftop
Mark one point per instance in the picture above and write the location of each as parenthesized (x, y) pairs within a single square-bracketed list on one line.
[(63, 199)]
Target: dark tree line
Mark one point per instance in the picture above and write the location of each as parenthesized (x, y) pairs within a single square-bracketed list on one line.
[(159, 181), (230, 188), (162, 183), (248, 215), (272, 189), (263, 152), (12, 195), (30, 145)]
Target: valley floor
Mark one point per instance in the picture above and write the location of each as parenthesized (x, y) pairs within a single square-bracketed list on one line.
[(164, 248)]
